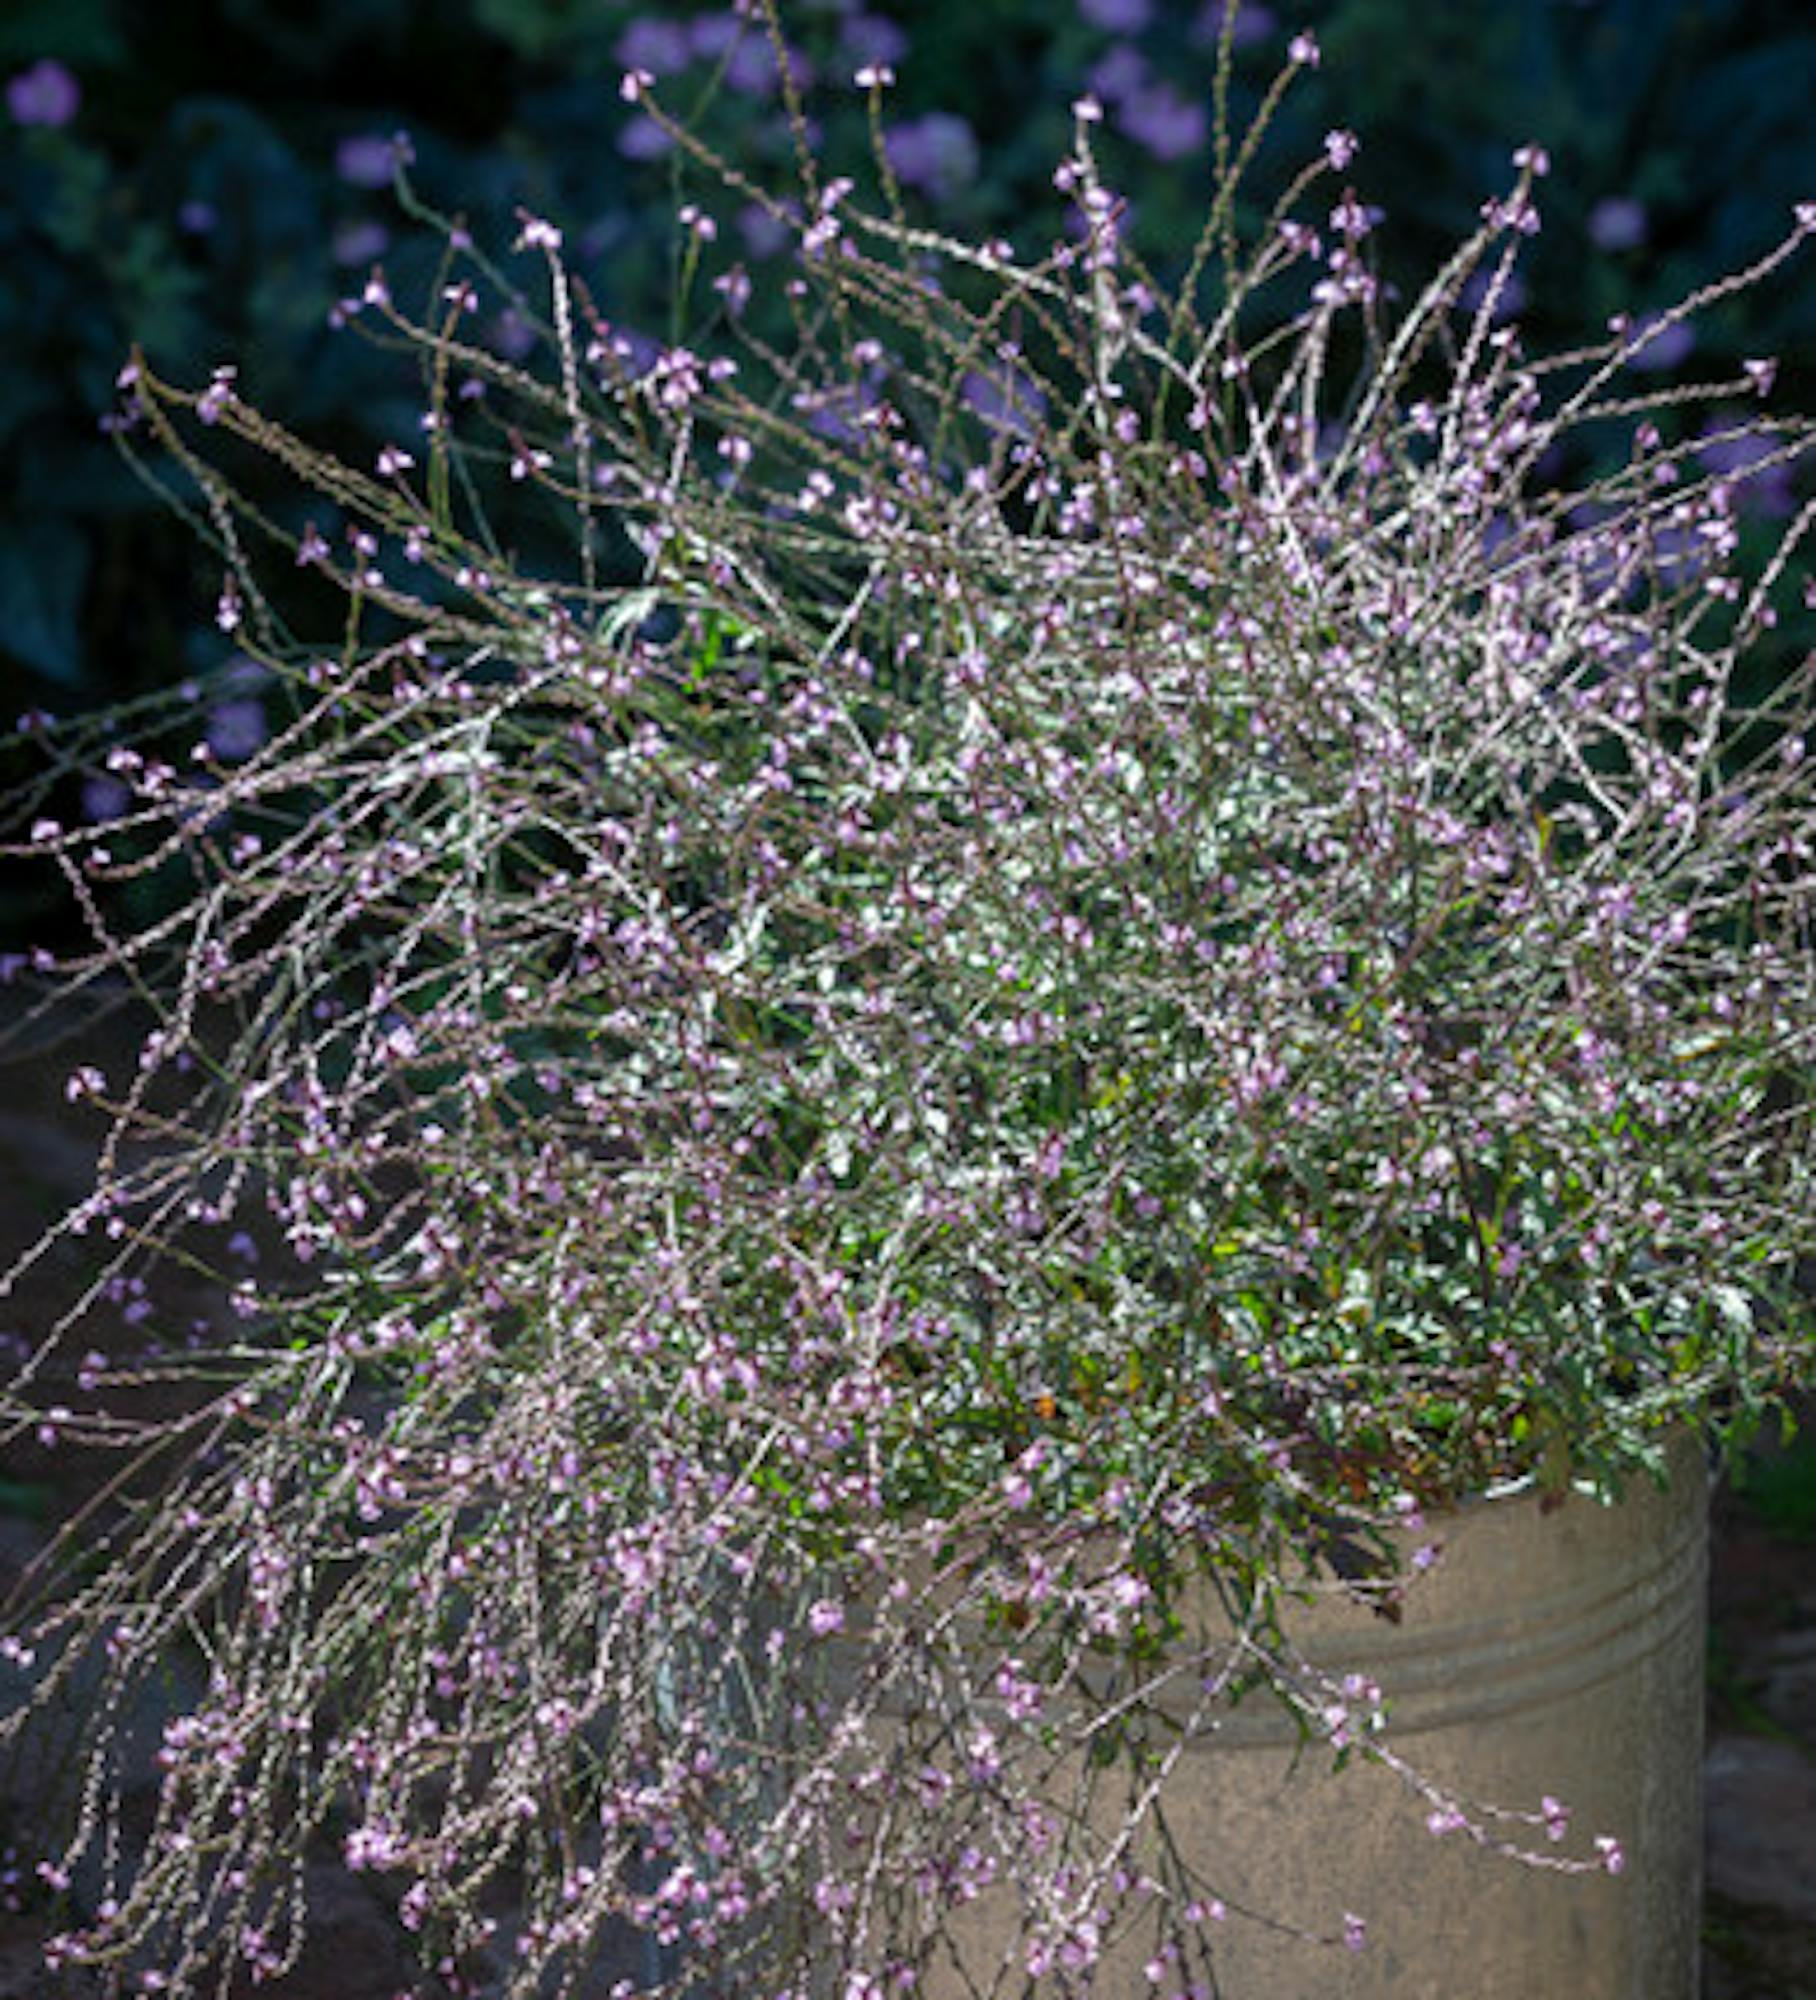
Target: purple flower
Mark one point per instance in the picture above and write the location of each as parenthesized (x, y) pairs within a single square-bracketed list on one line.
[(366, 160), (644, 139), (871, 38), (751, 67), (1117, 17), (1508, 300), (748, 55), (104, 798), (1171, 127), (764, 235), (660, 47), (237, 728), (1254, 23), (712, 34), (512, 335), (1007, 401), (45, 94), (1118, 73), (1618, 223), (358, 242), (1770, 492), (937, 154), (1661, 350)]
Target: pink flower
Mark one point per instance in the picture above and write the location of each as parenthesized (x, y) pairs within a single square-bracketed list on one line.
[(1762, 374)]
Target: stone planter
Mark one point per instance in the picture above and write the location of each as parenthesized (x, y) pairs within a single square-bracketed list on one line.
[(1549, 1652)]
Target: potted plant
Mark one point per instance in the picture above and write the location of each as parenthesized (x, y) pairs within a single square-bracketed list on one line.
[(1104, 947)]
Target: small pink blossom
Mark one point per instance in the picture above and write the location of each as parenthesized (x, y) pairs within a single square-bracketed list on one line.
[(1761, 374)]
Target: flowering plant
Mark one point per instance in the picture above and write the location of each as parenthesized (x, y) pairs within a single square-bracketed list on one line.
[(1102, 937)]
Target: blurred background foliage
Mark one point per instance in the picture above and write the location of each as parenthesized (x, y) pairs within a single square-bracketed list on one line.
[(206, 177)]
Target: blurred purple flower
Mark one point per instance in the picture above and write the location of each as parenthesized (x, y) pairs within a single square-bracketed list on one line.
[(1663, 350), (104, 798), (1171, 127), (1618, 223), (1006, 400), (237, 728), (366, 159), (872, 38), (936, 154), (836, 413), (1118, 73), (1254, 23), (45, 94), (196, 218), (661, 47), (764, 235), (358, 242), (512, 335), (712, 34), (643, 139), (1108, 229), (1679, 554), (1770, 493), (748, 55), (1475, 289), (1119, 17)]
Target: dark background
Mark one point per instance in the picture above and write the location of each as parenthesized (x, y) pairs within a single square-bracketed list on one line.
[(206, 176)]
